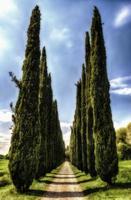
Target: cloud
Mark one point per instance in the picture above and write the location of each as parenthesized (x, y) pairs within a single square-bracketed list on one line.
[(119, 82), (61, 35), (65, 126), (122, 123), (5, 132), (8, 8), (123, 91), (5, 43), (4, 143), (5, 115), (123, 16), (120, 87), (8, 22)]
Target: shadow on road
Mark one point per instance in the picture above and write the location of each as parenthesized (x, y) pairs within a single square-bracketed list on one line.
[(65, 183), (64, 177), (54, 194)]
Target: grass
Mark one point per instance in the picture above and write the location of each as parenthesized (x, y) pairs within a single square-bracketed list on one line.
[(95, 189), (8, 192)]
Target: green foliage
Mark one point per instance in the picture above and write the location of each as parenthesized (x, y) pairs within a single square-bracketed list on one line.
[(73, 145), (124, 151), (128, 138), (89, 111), (78, 127), (37, 145), (83, 121), (105, 142), (51, 152), (67, 153), (43, 114), (23, 159), (1, 156), (76, 137), (121, 135), (57, 144), (97, 144)]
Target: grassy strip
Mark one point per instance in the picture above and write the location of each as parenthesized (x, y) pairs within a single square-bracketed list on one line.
[(95, 189), (8, 192)]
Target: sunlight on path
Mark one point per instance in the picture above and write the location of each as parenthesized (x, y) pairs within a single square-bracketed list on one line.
[(64, 186)]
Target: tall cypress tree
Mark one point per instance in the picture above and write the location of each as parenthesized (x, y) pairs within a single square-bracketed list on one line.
[(89, 111), (57, 139), (73, 153), (43, 113), (105, 140), (71, 146), (83, 120), (54, 129), (23, 151), (49, 128), (78, 127)]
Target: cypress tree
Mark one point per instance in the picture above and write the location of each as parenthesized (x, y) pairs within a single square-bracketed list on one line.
[(78, 127), (43, 113), (105, 140), (49, 124), (57, 139), (83, 120), (24, 149), (89, 111), (55, 132), (73, 144)]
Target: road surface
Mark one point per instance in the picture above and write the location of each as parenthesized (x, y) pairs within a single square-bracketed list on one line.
[(64, 186)]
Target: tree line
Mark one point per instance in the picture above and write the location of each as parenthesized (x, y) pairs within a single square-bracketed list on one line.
[(93, 141), (37, 144)]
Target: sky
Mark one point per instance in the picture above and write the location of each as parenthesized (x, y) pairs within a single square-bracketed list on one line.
[(63, 27)]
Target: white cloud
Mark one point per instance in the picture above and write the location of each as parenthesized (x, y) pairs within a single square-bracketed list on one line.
[(119, 85), (5, 115), (5, 43), (119, 82), (8, 15), (62, 36), (123, 16), (65, 126), (123, 91), (123, 123), (5, 132), (4, 142), (7, 9)]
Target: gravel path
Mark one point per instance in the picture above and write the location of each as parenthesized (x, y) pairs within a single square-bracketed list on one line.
[(64, 186)]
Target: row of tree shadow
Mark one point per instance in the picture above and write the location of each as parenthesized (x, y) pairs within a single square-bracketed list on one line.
[(55, 194)]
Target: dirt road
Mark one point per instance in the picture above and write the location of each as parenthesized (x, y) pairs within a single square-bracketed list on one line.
[(64, 186)]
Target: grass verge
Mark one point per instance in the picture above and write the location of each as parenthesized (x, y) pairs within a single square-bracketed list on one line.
[(8, 192), (95, 189)]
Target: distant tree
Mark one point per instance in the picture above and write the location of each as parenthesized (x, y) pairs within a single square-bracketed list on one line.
[(124, 151), (73, 145), (106, 159), (24, 148), (129, 133), (121, 135)]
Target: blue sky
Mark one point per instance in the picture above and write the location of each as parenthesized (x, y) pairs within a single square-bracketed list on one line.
[(63, 27)]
